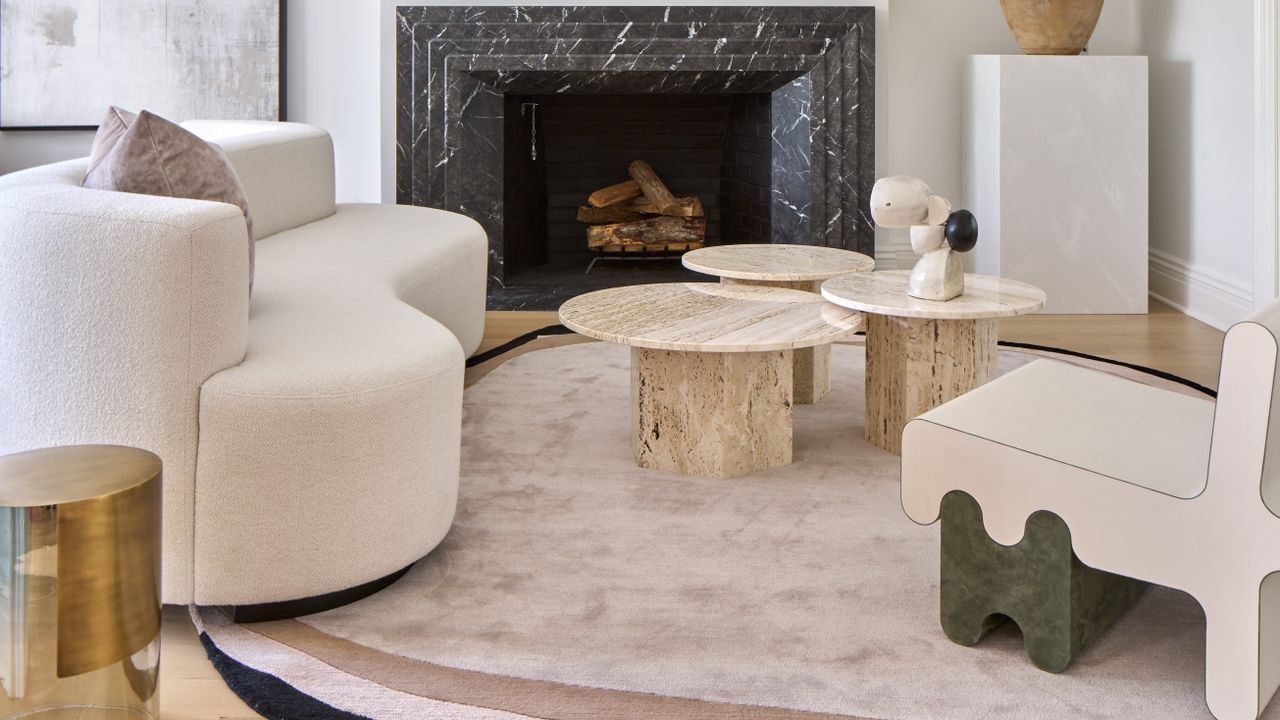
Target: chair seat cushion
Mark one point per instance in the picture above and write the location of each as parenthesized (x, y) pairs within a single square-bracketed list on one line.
[(1155, 438)]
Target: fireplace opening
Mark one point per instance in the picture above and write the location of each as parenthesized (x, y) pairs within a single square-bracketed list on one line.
[(559, 149)]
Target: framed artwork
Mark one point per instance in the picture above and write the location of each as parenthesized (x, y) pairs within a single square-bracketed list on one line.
[(63, 62)]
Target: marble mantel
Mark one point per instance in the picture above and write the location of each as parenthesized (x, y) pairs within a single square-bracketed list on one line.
[(455, 64)]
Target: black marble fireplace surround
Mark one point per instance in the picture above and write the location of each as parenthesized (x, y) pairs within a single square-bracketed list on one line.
[(458, 68)]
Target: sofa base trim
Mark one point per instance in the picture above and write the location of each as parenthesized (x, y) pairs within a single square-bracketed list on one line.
[(289, 609)]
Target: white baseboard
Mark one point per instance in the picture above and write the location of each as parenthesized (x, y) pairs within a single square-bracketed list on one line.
[(1208, 296), (886, 259), (891, 255)]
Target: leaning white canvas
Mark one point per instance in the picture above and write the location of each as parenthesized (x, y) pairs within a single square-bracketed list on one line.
[(63, 62)]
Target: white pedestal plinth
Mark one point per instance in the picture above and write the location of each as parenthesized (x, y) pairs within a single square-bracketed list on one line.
[(1056, 171)]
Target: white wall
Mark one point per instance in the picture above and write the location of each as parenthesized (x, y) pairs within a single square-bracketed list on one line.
[(23, 149), (333, 82), (1202, 142), (921, 76)]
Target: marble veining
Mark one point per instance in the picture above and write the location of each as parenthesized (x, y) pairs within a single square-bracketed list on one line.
[(454, 64), (885, 293), (709, 317), (777, 263)]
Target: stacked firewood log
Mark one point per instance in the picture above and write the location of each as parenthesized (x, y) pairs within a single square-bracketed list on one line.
[(642, 214)]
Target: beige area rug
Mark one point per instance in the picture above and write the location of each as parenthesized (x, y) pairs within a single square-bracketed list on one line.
[(576, 585)]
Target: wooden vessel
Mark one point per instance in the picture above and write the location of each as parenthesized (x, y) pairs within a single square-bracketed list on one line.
[(1052, 27)]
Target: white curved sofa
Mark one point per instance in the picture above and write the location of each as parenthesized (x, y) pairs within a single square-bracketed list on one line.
[(310, 434)]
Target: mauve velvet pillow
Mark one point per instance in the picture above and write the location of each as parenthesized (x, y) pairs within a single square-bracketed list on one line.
[(149, 155)]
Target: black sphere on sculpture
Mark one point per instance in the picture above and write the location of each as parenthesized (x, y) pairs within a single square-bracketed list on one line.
[(962, 231)]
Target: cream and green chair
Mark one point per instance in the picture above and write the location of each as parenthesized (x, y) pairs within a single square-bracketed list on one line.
[(1147, 484)]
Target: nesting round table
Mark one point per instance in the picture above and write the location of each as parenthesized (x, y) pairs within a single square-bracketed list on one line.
[(711, 368), (796, 267), (923, 353)]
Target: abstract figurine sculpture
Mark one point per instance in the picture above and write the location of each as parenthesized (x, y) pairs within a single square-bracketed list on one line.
[(937, 234)]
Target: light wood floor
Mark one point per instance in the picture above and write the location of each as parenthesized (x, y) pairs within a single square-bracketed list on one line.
[(190, 689), (1165, 340)]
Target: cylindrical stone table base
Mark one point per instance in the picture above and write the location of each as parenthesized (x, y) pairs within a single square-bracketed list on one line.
[(80, 584), (915, 365), (811, 373), (711, 414), (812, 366)]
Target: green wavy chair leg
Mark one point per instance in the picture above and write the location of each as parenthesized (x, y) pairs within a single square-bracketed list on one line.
[(1060, 604)]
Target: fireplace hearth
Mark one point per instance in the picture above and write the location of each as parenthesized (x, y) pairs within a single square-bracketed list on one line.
[(513, 115)]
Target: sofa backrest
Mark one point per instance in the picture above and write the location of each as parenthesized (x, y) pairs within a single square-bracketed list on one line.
[(286, 169)]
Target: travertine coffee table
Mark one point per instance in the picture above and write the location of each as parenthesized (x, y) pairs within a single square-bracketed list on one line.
[(798, 267), (922, 353), (711, 386)]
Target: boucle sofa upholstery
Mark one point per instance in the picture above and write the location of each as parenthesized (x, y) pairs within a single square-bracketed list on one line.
[(310, 434)]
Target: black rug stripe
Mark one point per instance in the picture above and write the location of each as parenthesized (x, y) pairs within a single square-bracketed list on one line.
[(275, 699), (507, 347), (268, 695), (1118, 363)]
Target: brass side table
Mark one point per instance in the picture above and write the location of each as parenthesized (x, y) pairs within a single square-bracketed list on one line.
[(80, 584)]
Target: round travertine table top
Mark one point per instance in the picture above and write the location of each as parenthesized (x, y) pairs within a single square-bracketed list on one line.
[(777, 263), (885, 293), (709, 317)]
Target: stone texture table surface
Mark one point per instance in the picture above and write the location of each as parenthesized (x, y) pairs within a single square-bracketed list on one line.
[(709, 317), (794, 267), (777, 263), (885, 293)]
